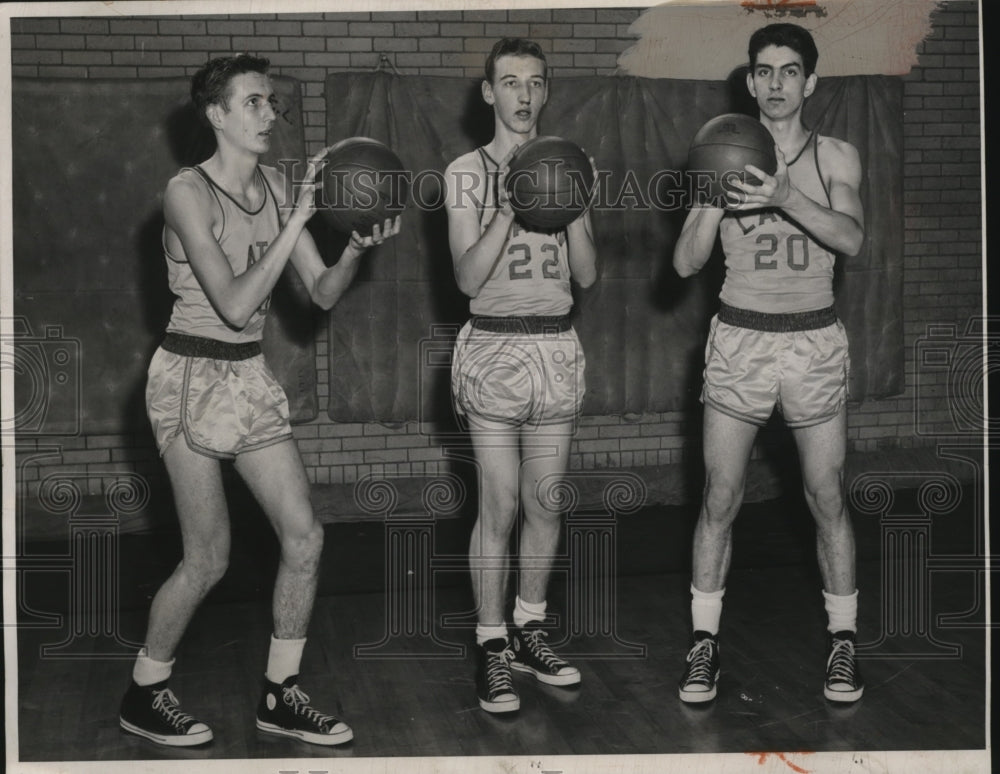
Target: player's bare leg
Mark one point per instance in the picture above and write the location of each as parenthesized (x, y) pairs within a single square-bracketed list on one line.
[(196, 481), (545, 454), (149, 708), (822, 449), (497, 450), (727, 445), (277, 479)]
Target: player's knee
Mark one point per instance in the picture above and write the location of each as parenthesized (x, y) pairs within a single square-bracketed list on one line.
[(303, 546), (498, 509), (826, 496), (312, 539), (207, 568), (722, 498), (495, 526), (216, 570)]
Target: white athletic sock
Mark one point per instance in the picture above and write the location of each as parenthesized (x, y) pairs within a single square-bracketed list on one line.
[(283, 659), (842, 610), (528, 611), (484, 633), (148, 671), (706, 610)]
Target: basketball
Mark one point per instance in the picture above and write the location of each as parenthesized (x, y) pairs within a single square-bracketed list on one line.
[(549, 181), (723, 146), (363, 184)]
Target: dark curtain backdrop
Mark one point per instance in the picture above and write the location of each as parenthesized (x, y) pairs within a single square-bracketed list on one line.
[(91, 159), (642, 327)]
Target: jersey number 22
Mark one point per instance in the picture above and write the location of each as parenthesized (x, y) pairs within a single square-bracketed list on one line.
[(520, 269)]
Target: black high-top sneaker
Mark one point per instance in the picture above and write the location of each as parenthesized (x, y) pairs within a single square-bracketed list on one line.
[(533, 655), (702, 671), (153, 712), (284, 710), (843, 678), (494, 684)]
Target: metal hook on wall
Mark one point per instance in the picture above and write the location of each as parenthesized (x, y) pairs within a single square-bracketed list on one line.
[(385, 62)]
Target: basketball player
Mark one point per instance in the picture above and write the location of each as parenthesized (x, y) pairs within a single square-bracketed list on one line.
[(210, 397), (517, 376), (777, 341)]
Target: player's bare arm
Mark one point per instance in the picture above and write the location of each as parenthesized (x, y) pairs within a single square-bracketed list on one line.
[(694, 245), (327, 284), (474, 254), (331, 283), (581, 250), (840, 227), (187, 209)]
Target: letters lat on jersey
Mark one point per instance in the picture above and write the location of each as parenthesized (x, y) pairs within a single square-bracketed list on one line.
[(764, 216), (252, 257)]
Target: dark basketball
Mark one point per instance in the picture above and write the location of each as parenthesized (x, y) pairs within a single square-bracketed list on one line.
[(723, 146), (363, 184), (549, 181)]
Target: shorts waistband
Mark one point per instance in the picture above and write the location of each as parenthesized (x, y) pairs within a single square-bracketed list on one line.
[(777, 323), (528, 324), (199, 346)]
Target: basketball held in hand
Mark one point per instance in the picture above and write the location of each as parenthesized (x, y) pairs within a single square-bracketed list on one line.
[(364, 183), (549, 182), (721, 149)]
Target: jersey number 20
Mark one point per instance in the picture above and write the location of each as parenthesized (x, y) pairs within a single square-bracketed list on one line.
[(796, 248)]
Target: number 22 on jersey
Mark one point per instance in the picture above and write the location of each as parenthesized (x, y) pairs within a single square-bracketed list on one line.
[(520, 268), (532, 261)]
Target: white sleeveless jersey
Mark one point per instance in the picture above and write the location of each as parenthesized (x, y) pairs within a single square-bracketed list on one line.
[(244, 236), (772, 264), (531, 277)]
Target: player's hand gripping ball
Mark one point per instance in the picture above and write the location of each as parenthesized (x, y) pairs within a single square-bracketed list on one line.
[(549, 182), (720, 150), (364, 183)]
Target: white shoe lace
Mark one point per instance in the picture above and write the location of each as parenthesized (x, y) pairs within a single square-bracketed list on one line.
[(297, 699), (840, 665), (700, 660), (498, 671), (166, 704), (535, 639)]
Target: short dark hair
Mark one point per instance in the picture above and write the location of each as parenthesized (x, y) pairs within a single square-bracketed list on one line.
[(512, 47), (210, 85), (791, 36)]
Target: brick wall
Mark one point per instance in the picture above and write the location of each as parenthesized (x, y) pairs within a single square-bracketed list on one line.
[(308, 46), (942, 281)]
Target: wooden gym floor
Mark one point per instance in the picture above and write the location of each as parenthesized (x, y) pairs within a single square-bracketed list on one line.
[(923, 657)]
